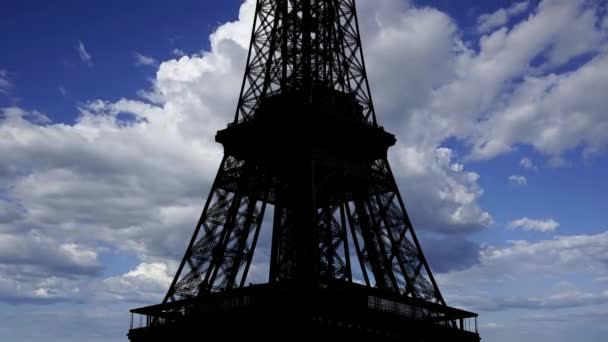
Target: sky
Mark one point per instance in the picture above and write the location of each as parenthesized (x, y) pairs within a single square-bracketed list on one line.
[(108, 113)]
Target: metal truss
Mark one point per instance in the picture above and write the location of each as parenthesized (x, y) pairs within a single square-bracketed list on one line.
[(221, 250), (374, 222), (359, 227), (303, 44)]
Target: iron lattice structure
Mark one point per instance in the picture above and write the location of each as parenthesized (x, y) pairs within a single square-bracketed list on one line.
[(297, 44), (306, 160), (312, 49)]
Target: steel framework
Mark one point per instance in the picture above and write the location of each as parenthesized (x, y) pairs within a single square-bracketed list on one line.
[(305, 142)]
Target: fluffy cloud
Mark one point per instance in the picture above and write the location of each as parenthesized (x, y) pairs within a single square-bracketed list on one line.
[(132, 174), (123, 175), (561, 300), (439, 193), (487, 22), (525, 268), (5, 83), (34, 249), (525, 223), (548, 111), (553, 113), (34, 284), (527, 163), (84, 55), (35, 267), (560, 254), (518, 180), (128, 172), (178, 52), (512, 91), (145, 282), (144, 60)]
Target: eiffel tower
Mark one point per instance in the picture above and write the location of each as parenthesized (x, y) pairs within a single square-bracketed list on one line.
[(305, 162)]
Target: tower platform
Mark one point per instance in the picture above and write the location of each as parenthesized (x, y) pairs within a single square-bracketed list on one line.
[(282, 312)]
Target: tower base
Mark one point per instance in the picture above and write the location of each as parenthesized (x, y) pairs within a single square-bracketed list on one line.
[(282, 312)]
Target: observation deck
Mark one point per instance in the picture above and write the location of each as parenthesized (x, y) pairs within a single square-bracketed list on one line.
[(278, 311)]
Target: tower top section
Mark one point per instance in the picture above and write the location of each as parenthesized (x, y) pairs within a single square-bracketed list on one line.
[(308, 47)]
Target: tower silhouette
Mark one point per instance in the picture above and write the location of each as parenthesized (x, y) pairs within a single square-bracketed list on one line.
[(306, 147)]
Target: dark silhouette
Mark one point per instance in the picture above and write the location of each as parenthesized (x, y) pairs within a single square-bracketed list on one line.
[(305, 144)]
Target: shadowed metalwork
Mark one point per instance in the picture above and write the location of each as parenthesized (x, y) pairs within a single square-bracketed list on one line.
[(305, 142)]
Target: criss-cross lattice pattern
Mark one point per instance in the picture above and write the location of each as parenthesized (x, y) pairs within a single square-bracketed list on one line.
[(358, 224), (302, 45)]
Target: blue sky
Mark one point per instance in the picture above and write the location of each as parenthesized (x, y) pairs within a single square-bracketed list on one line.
[(108, 113)]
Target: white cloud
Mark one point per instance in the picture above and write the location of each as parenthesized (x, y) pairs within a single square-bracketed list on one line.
[(148, 281), (109, 180), (144, 60), (519, 260), (552, 113), (19, 285), (529, 271), (518, 180), (5, 84), (514, 90), (148, 174), (137, 185), (62, 91), (33, 248), (560, 300), (440, 195), (527, 163), (489, 21), (9, 212), (525, 223), (84, 55), (490, 325), (125, 183), (178, 52)]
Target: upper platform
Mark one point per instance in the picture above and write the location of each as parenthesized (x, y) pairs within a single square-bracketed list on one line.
[(325, 125)]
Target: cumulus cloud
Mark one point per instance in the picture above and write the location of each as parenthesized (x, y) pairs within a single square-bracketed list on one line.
[(25, 285), (526, 268), (5, 83), (549, 111), (489, 21), (525, 223), (35, 249), (84, 55), (144, 60), (560, 300), (146, 281), (123, 175), (132, 174), (178, 52), (553, 113), (441, 195), (513, 89), (557, 255), (518, 180), (128, 172), (527, 163)]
